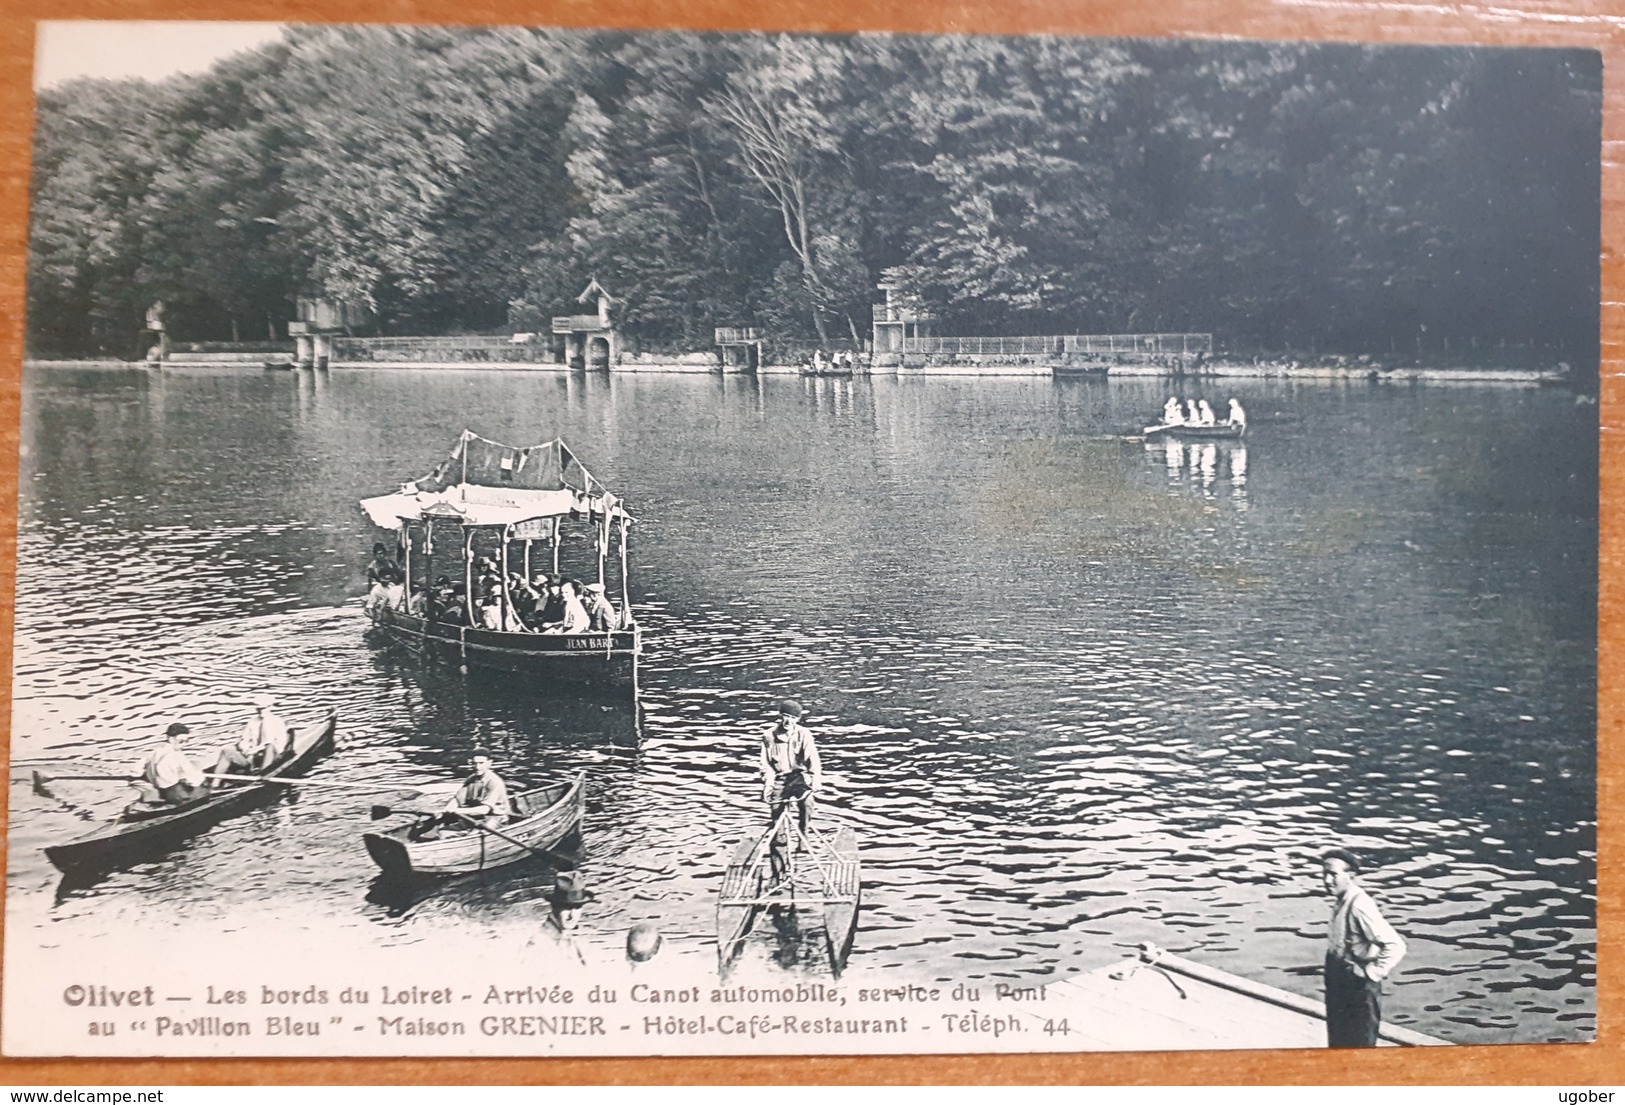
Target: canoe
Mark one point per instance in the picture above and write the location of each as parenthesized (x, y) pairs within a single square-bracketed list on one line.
[(823, 878), (1218, 430), (542, 818), (145, 827), (564, 656)]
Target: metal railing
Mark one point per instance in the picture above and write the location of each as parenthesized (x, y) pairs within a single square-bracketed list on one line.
[(1144, 344), (732, 335), (463, 347)]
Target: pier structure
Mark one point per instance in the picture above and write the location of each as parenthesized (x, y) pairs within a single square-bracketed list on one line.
[(319, 319), (898, 322), (587, 341)]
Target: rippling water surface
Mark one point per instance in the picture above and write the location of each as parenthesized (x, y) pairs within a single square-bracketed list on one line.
[(1072, 691)]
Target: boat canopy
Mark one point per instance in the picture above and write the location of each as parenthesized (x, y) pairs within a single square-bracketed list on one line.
[(486, 483)]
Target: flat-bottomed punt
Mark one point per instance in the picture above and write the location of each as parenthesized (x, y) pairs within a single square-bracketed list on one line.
[(541, 818), (1159, 1001), (147, 828)]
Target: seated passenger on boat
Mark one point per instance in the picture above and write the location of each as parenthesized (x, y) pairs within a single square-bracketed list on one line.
[(1204, 414), (386, 583), (523, 596), (169, 771), (1238, 417), (601, 616), (264, 741), (1172, 413), (791, 768), (552, 605), (1192, 415), (481, 800), (574, 619), (418, 604)]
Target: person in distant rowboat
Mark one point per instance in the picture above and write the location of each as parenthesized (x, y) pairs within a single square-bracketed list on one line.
[(1192, 415), (1362, 949), (171, 772), (600, 611), (1204, 413), (1172, 413), (791, 768), (263, 742), (1238, 417)]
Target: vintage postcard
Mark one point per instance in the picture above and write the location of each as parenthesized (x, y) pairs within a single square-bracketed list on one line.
[(566, 542)]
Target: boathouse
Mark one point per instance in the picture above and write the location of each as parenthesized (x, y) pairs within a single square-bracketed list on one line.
[(587, 341)]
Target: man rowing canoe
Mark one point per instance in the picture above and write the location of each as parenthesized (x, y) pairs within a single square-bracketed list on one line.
[(169, 771)]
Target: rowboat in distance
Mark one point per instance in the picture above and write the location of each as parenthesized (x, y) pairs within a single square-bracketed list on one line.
[(541, 818), (1219, 430), (821, 878), (146, 828)]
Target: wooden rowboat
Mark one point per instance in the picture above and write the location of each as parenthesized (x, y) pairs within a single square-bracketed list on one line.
[(1184, 429), (148, 827), (817, 871), (541, 818)]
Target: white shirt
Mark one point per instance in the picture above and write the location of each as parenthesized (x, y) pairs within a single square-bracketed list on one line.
[(1358, 935)]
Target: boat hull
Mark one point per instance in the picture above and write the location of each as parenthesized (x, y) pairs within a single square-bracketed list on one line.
[(145, 833), (557, 813), (568, 657), (1222, 431), (844, 889)]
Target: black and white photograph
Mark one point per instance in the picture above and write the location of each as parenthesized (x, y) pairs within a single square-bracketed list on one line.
[(540, 541)]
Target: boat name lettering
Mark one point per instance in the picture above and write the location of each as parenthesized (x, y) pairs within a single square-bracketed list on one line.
[(688, 995), (416, 995), (308, 996), (530, 995), (574, 1024), (575, 643), (400, 1026), (983, 1023), (102, 995), (901, 993)]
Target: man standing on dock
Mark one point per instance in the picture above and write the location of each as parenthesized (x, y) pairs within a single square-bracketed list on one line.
[(1362, 949)]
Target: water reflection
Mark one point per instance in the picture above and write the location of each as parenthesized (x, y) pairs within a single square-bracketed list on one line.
[(1069, 692)]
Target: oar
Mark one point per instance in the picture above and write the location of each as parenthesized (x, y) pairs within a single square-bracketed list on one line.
[(41, 781), (380, 812)]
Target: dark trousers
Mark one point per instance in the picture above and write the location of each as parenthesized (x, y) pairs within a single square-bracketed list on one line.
[(1353, 1006)]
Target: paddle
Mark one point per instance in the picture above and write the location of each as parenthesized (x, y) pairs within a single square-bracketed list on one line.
[(42, 781), (380, 812)]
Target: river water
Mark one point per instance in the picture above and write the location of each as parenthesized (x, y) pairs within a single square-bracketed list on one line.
[(1073, 691)]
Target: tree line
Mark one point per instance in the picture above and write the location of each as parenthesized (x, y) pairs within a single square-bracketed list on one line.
[(1283, 196)]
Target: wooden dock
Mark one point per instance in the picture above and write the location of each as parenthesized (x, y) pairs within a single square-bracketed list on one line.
[(1158, 1001)]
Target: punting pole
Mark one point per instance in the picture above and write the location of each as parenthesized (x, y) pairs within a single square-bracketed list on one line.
[(603, 546), (556, 537), (406, 543)]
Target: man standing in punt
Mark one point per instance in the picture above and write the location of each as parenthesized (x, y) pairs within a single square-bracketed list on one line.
[(1362, 949), (791, 768), (170, 772)]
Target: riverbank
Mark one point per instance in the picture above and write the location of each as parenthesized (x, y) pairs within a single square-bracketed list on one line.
[(1214, 369)]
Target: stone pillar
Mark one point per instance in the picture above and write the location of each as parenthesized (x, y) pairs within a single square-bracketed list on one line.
[(304, 353), (323, 350)]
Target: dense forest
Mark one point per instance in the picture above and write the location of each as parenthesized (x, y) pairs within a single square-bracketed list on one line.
[(1352, 199)]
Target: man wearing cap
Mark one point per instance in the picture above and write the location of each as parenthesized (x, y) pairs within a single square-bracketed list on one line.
[(483, 797), (600, 612), (570, 896), (264, 741), (552, 608), (791, 769), (169, 771), (1362, 949)]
